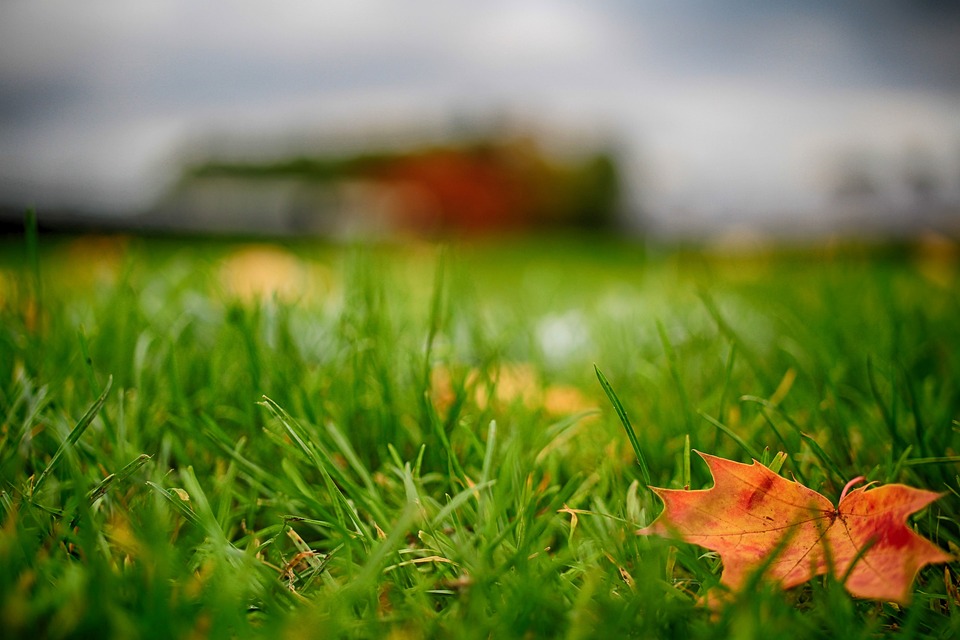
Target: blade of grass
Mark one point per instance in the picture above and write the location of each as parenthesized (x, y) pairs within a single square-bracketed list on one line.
[(87, 360), (436, 315), (932, 460), (727, 330), (728, 375), (458, 500), (178, 503), (343, 444), (889, 415), (377, 559), (625, 421), (73, 436), (454, 467), (733, 435), (256, 475), (777, 463), (33, 252), (824, 458), (92, 377), (302, 439), (766, 408), (922, 435), (489, 453), (114, 478), (36, 402), (674, 366)]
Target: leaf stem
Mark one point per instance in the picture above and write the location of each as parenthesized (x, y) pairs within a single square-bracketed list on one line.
[(847, 487)]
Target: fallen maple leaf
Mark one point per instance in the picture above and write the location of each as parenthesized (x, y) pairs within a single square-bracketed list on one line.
[(751, 513)]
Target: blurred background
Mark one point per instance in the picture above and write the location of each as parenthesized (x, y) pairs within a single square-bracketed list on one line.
[(381, 119)]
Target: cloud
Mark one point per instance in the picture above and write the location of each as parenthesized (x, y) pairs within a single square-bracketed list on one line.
[(722, 106)]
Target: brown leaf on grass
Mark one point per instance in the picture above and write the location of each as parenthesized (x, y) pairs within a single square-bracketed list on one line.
[(752, 516)]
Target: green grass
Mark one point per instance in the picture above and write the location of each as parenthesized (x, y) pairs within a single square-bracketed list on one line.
[(409, 441)]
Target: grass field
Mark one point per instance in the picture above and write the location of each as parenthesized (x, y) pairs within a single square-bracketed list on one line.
[(218, 439)]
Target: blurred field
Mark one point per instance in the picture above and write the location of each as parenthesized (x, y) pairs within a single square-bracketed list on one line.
[(410, 440)]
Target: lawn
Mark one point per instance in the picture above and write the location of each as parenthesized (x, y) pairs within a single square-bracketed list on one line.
[(230, 439)]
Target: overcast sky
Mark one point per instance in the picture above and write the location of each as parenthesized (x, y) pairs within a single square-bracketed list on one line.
[(722, 109)]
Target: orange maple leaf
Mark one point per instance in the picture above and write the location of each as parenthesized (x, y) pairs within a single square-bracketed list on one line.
[(751, 513)]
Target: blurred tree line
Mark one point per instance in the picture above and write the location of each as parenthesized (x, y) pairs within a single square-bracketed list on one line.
[(481, 186)]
